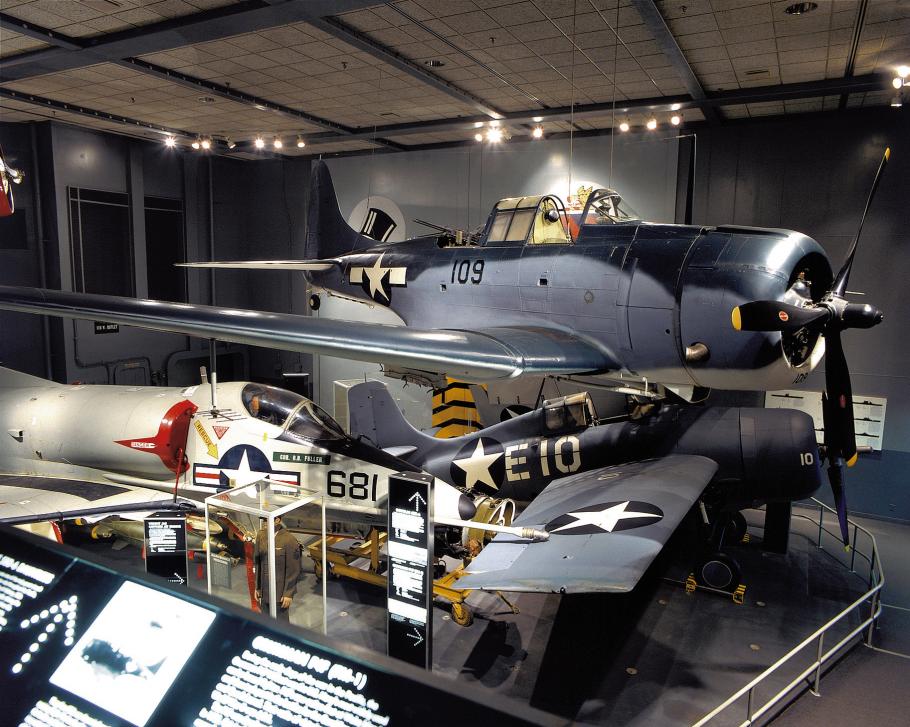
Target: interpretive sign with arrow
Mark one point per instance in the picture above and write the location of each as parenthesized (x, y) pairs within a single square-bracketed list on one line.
[(165, 547), (410, 589)]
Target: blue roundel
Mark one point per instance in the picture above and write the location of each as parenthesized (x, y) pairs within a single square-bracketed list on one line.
[(231, 460)]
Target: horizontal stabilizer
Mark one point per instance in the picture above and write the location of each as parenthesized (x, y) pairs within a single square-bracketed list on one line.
[(314, 265)]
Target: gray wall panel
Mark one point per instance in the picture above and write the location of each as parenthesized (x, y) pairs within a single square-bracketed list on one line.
[(820, 169)]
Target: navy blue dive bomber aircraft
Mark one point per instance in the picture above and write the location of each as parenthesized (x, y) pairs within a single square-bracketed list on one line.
[(625, 484), (543, 292)]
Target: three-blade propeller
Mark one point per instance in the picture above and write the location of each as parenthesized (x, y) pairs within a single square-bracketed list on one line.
[(829, 316)]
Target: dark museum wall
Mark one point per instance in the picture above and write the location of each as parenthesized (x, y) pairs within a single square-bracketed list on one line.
[(258, 210), (813, 173)]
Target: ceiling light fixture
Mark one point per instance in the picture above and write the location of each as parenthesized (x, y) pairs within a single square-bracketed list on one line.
[(652, 124), (170, 142), (624, 126), (675, 119), (898, 82), (897, 102), (537, 132), (494, 135), (230, 143), (259, 143), (206, 144), (538, 119), (800, 8), (300, 142), (195, 144), (676, 107), (434, 63), (478, 137), (277, 143)]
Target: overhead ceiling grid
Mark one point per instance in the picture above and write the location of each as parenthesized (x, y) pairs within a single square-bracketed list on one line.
[(351, 76)]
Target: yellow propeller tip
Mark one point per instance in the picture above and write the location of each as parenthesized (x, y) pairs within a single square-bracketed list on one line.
[(888, 153), (737, 319), (847, 548), (852, 460)]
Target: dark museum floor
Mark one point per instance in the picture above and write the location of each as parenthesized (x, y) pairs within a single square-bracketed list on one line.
[(659, 656)]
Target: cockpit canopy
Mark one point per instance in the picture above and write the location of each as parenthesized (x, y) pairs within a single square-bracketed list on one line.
[(568, 413), (297, 415), (544, 220)]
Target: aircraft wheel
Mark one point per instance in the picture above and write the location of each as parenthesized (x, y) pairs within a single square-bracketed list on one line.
[(719, 571), (462, 614), (737, 527)]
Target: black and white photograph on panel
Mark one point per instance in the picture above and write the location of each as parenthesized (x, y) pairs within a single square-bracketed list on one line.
[(132, 653)]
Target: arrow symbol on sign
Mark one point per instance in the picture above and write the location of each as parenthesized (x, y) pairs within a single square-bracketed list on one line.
[(417, 500), (418, 638), (178, 578)]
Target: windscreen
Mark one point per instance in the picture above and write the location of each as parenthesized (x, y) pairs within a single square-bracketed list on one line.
[(312, 423)]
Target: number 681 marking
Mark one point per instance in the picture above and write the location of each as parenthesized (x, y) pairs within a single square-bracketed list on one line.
[(354, 485)]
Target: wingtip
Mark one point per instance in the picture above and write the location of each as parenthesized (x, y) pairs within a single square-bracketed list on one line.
[(737, 319), (852, 461)]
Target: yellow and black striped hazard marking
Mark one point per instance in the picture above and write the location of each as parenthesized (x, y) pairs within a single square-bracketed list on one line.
[(454, 410)]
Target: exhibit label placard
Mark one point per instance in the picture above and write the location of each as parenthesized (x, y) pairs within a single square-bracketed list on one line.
[(165, 547), (410, 575)]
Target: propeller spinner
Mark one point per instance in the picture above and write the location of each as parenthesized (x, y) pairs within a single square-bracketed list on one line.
[(828, 317)]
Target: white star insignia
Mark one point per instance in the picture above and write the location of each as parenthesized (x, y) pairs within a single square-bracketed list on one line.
[(243, 475), (605, 519), (375, 274), (477, 467)]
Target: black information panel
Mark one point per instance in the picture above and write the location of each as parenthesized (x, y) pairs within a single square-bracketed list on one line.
[(410, 590), (165, 547), (83, 645)]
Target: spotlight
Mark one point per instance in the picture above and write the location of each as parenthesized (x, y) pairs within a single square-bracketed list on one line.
[(675, 119), (494, 135), (300, 142), (277, 143), (206, 144), (478, 124), (537, 133), (195, 144), (260, 143), (494, 123), (170, 142), (897, 82), (478, 137), (624, 126), (538, 119), (903, 71), (230, 143), (652, 124), (676, 107)]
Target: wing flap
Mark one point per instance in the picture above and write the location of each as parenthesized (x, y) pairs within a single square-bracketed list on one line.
[(477, 356), (606, 527)]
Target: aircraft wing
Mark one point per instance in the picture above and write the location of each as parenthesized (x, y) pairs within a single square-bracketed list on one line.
[(28, 497), (475, 355), (606, 527)]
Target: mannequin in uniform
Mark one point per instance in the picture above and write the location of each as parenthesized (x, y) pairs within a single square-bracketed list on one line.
[(287, 568)]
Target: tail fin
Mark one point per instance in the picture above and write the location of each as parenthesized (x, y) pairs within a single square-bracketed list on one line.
[(375, 416), (16, 379), (328, 234)]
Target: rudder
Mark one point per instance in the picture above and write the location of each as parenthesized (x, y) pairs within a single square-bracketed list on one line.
[(375, 416)]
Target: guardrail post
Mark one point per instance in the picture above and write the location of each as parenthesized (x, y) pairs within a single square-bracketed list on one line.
[(869, 633), (821, 518), (818, 664), (749, 706), (872, 566), (853, 551)]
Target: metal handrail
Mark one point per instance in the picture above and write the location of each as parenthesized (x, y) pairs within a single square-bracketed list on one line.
[(876, 582)]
